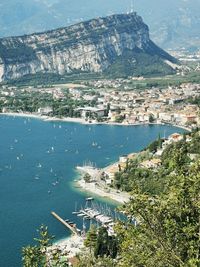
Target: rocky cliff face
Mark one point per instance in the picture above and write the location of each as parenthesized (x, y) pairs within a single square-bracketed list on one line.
[(91, 46)]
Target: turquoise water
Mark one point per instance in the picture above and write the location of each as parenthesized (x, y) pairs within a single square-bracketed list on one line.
[(37, 167)]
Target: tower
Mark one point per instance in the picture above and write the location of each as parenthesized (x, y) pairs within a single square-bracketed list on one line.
[(132, 7)]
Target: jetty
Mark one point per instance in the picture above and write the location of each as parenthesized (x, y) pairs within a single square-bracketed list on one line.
[(71, 226), (96, 215)]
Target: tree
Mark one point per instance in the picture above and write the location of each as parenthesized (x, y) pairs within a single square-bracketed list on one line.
[(36, 256), (87, 178), (101, 247), (167, 231), (106, 246), (91, 237), (31, 256), (151, 118)]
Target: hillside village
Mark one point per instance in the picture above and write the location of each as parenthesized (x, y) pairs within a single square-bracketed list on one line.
[(150, 158)]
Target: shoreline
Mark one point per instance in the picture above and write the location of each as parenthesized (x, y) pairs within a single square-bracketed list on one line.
[(96, 188), (111, 194), (70, 245), (82, 121)]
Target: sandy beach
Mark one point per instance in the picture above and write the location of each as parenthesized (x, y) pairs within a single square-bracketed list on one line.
[(120, 197), (83, 121)]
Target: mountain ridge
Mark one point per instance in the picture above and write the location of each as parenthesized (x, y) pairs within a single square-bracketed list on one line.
[(90, 46)]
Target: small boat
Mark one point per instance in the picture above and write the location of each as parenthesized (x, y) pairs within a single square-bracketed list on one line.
[(94, 144), (80, 214), (89, 199), (39, 165), (75, 212)]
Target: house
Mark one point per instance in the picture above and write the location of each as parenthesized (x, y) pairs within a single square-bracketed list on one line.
[(151, 164), (166, 117), (111, 170), (175, 137), (91, 112), (123, 159), (45, 110)]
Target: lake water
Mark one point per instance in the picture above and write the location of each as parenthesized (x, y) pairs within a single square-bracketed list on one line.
[(37, 167)]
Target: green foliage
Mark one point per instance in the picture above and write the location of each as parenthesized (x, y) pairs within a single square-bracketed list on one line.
[(91, 237), (194, 101), (31, 256), (105, 245), (87, 178), (35, 256), (138, 63), (175, 158), (101, 243), (119, 118), (88, 260), (16, 52), (155, 145), (151, 118), (167, 233), (32, 101)]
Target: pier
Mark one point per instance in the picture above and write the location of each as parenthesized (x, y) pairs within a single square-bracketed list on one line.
[(95, 215), (71, 227)]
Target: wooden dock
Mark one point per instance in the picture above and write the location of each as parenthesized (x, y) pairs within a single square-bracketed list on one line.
[(72, 228)]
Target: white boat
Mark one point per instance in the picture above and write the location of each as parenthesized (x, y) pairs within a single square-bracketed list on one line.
[(89, 198), (80, 214), (94, 144)]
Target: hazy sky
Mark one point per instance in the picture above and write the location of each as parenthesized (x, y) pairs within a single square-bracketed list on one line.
[(173, 17)]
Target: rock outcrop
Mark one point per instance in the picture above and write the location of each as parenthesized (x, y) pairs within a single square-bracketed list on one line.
[(91, 46)]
